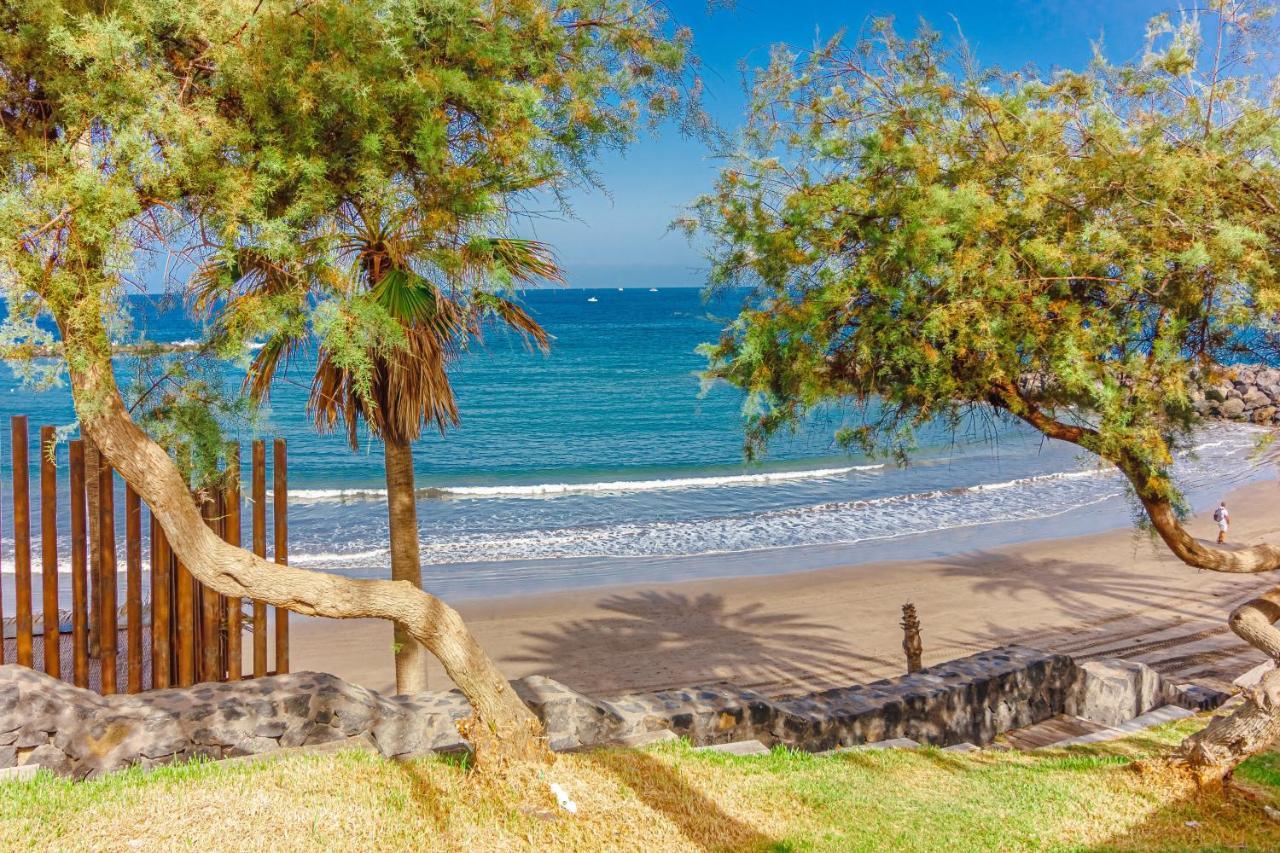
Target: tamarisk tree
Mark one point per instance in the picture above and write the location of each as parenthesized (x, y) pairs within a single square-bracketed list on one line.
[(211, 126), (927, 238)]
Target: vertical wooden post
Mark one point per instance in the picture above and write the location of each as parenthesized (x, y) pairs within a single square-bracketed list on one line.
[(231, 533), (49, 552), (280, 513), (79, 568), (21, 537), (133, 586), (161, 660), (186, 627), (210, 624), (92, 466), (108, 635), (259, 488)]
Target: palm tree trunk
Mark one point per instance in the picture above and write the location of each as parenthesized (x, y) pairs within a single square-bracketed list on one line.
[(502, 730), (402, 514)]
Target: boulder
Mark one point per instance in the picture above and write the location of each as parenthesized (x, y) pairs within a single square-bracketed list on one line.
[(1233, 408), (1264, 415), (1255, 399)]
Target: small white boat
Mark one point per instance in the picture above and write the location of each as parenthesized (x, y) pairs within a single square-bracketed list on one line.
[(592, 299), (653, 290), (619, 289)]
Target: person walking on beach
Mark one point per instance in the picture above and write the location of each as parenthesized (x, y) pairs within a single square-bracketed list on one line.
[(1223, 518)]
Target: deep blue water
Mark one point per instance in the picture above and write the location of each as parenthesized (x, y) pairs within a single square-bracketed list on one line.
[(607, 461)]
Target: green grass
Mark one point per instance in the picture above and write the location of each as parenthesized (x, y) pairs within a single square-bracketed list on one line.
[(665, 798)]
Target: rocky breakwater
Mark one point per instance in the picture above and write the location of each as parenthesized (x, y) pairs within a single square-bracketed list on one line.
[(1240, 393)]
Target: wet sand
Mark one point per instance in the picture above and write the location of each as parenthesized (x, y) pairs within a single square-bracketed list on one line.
[(1119, 593)]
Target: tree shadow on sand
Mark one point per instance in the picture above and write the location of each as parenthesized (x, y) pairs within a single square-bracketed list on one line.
[(1173, 624), (664, 639)]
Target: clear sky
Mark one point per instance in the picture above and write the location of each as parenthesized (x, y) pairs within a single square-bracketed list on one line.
[(621, 240)]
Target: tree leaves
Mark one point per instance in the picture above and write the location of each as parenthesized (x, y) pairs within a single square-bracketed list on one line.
[(923, 235)]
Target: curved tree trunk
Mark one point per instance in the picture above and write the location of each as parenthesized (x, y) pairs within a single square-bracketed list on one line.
[(402, 515), (501, 730), (1214, 752)]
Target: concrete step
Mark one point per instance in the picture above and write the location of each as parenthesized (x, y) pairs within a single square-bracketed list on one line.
[(962, 747), (741, 747), (1164, 714), (893, 743), (21, 773)]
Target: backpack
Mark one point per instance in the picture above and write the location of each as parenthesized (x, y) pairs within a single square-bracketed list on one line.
[(1218, 514)]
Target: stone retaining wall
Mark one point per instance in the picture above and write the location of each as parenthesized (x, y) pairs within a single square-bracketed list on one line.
[(77, 733), (1245, 392)]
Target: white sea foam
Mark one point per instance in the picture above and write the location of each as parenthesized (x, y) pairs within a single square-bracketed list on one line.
[(323, 558), (540, 490)]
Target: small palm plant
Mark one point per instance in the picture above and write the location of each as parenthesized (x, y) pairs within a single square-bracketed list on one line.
[(388, 303)]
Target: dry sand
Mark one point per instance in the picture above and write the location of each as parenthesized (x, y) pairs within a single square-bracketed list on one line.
[(1113, 594)]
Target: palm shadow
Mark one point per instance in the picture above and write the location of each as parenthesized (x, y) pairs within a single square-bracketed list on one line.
[(667, 639)]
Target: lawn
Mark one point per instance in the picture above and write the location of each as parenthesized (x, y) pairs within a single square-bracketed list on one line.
[(664, 798)]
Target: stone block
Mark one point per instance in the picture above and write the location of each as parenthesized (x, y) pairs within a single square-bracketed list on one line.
[(642, 739), (51, 758), (1113, 691)]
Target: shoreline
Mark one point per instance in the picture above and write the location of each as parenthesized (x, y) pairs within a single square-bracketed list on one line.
[(1115, 593)]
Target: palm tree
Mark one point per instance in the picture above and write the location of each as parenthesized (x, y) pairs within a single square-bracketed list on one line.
[(430, 294)]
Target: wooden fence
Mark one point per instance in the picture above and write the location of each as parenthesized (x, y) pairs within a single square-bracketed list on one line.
[(172, 630)]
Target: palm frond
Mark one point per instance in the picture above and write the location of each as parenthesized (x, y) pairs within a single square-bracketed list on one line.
[(513, 316), (525, 261)]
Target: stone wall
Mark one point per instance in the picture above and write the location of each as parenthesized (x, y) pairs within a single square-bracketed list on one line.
[(1241, 393), (78, 733)]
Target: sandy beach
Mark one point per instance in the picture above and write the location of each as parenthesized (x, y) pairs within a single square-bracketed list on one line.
[(1118, 593)]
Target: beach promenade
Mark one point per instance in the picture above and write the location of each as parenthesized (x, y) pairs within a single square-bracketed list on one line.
[(1117, 593)]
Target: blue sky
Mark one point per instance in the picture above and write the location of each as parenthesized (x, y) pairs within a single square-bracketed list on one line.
[(622, 240)]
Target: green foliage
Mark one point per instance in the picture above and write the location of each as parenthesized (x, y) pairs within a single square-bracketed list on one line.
[(927, 237), (246, 135)]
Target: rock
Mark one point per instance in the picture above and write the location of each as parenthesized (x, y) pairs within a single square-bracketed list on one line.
[(8, 756), (1216, 395), (1233, 408), (1114, 691), (572, 719), (1264, 415), (962, 747), (1254, 399), (50, 758)]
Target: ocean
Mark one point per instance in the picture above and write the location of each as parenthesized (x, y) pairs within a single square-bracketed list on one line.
[(607, 461)]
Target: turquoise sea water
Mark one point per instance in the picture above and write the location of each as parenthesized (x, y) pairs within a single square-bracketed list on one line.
[(607, 461)]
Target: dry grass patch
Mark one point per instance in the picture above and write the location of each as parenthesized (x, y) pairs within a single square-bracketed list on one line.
[(667, 798)]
